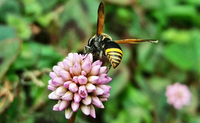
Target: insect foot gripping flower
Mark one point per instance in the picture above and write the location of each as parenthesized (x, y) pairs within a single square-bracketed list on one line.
[(178, 95), (78, 82)]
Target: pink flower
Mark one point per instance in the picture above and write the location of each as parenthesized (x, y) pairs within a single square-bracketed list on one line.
[(78, 82), (178, 95)]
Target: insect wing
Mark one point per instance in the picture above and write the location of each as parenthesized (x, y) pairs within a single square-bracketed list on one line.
[(101, 18), (135, 41)]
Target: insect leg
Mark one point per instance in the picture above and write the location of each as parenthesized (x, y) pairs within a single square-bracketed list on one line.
[(101, 54), (86, 49)]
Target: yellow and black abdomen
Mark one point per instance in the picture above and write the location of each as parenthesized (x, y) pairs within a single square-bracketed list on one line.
[(114, 53)]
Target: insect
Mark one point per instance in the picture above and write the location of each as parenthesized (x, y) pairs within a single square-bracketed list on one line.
[(103, 47)]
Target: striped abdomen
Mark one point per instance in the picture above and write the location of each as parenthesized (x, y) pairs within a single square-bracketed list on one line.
[(114, 53)]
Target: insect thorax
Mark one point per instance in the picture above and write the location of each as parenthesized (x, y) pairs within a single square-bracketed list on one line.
[(96, 46), (96, 43)]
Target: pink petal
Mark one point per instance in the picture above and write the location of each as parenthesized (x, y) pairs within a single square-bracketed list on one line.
[(50, 82), (86, 66), (178, 105), (82, 80), (90, 87), (75, 106), (50, 87), (58, 81), (60, 64), (65, 75), (53, 75), (103, 70), (53, 96), (178, 95), (68, 96), (75, 79), (76, 69), (67, 64), (106, 88), (82, 92), (63, 105), (71, 57), (60, 91), (104, 78), (93, 79), (98, 91), (96, 101), (85, 109), (102, 106), (171, 100), (71, 71), (68, 113), (56, 70), (83, 73), (87, 100), (88, 58), (98, 62), (92, 111), (77, 58), (66, 84), (103, 99), (105, 95), (73, 87), (95, 70), (77, 98), (56, 107)]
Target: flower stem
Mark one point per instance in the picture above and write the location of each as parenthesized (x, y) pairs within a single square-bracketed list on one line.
[(72, 119)]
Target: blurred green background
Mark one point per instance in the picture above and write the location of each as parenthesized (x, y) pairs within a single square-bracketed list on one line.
[(36, 34)]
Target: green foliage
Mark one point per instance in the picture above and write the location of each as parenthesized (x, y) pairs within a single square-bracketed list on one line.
[(36, 34), (20, 24), (10, 42)]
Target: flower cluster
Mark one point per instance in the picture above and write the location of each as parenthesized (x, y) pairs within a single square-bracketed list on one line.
[(78, 82), (178, 95)]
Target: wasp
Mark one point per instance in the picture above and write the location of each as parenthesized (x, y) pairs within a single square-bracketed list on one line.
[(103, 47)]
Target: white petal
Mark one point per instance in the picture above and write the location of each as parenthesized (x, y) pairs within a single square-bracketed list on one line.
[(85, 109), (75, 106), (87, 100), (53, 96), (68, 113), (92, 111)]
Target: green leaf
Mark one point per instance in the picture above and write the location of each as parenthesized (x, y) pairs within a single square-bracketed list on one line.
[(45, 20), (151, 4), (6, 32), (185, 11), (32, 7), (119, 81), (195, 38), (136, 97), (158, 84), (178, 36), (47, 5), (9, 51), (137, 105), (92, 6), (20, 24), (120, 2), (148, 56), (181, 55), (7, 7), (37, 55), (75, 11)]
